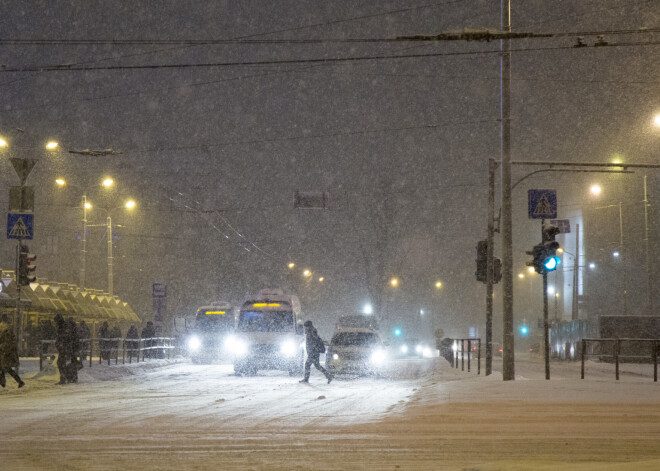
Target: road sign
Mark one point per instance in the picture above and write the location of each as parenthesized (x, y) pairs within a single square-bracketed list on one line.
[(564, 225), (542, 204), (20, 226)]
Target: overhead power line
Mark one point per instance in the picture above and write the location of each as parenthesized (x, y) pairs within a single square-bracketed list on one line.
[(67, 68), (467, 34)]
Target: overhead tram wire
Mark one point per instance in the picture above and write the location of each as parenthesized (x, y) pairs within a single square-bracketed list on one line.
[(326, 60)]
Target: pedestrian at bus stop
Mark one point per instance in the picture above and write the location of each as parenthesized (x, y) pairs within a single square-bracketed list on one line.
[(62, 347), (8, 353), (315, 347)]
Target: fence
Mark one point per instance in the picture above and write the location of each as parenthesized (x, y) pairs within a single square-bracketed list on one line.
[(635, 349), (109, 349), (463, 348)]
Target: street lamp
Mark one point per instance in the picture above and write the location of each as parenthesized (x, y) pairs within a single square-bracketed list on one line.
[(129, 204), (85, 205), (394, 282)]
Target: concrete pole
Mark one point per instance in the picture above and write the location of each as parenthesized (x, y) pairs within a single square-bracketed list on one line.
[(649, 268), (623, 262), (508, 368), (576, 277), (110, 279), (83, 250)]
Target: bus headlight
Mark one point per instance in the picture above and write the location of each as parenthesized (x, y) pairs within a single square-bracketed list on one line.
[(194, 343), (288, 348), (236, 346), (335, 356), (378, 357)]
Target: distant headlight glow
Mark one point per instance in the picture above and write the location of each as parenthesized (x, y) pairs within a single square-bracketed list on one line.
[(236, 346), (288, 348), (194, 343), (335, 356), (427, 353), (418, 349), (404, 348)]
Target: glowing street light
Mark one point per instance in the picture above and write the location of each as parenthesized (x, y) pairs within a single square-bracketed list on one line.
[(656, 120), (595, 189), (394, 282), (51, 145), (291, 265), (60, 182), (321, 279), (3, 143), (108, 182), (438, 284), (130, 204), (307, 273)]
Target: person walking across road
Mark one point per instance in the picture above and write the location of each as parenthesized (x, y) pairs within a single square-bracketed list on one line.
[(315, 347), (62, 346), (8, 353)]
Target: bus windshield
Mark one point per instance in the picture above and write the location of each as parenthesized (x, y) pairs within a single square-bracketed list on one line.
[(265, 321), (214, 320)]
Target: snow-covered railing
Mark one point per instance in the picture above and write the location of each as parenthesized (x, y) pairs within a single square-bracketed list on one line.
[(643, 349), (462, 348), (107, 349)]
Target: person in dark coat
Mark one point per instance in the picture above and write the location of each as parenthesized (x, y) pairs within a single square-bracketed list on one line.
[(83, 335), (132, 342), (148, 333), (315, 347), (73, 346), (104, 345), (62, 347), (8, 353)]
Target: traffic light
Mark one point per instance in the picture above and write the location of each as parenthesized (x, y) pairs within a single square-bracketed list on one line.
[(538, 257), (397, 332), (524, 330), (482, 260), (26, 266), (550, 260)]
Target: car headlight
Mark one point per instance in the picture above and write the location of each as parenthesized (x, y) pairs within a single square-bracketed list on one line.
[(335, 356), (418, 349), (236, 346), (427, 353), (378, 357), (404, 348), (288, 348), (194, 343)]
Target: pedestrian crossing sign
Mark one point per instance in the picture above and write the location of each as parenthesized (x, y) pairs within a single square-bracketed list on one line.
[(542, 204), (20, 226)]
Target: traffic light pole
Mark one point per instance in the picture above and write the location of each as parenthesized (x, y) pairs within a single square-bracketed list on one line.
[(19, 321), (492, 165), (546, 327)]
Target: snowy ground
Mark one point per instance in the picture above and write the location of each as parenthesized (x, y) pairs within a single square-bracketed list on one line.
[(175, 415)]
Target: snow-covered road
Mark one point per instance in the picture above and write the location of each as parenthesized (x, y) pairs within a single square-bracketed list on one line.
[(167, 415)]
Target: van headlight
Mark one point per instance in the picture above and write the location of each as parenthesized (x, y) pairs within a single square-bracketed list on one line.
[(236, 346), (194, 343), (378, 357), (288, 348)]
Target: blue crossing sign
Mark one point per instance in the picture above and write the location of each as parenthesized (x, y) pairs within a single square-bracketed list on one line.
[(542, 204), (20, 226)]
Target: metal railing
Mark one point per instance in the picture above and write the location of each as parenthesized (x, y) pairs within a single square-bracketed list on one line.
[(638, 350), (108, 349), (462, 348)]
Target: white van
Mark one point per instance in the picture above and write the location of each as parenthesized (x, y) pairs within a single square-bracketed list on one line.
[(269, 334)]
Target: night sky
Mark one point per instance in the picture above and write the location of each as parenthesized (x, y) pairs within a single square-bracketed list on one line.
[(216, 136)]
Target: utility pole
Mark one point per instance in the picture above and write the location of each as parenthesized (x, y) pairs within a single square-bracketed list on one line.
[(649, 268), (489, 271), (576, 279), (508, 367)]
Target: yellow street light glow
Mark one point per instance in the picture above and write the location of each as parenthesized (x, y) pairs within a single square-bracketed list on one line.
[(595, 189), (51, 145), (656, 120), (130, 204), (560, 250), (321, 279), (307, 273), (531, 270), (3, 143), (60, 182), (521, 276), (394, 282), (291, 265), (88, 205), (438, 284), (108, 182)]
